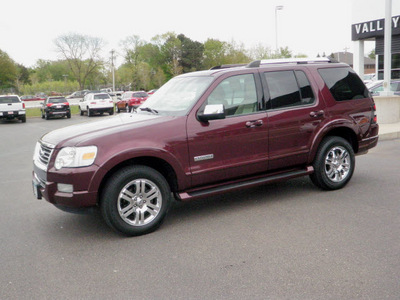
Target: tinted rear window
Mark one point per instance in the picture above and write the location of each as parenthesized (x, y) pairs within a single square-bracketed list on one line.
[(9, 99), (344, 83), (102, 96), (57, 100)]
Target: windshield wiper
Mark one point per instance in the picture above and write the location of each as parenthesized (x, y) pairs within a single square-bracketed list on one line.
[(153, 111)]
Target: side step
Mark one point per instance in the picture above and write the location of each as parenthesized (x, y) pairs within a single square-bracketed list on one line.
[(202, 192)]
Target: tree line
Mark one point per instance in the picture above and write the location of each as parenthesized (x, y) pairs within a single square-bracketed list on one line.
[(144, 64)]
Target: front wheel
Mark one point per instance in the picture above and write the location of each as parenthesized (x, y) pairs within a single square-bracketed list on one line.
[(334, 164), (135, 200)]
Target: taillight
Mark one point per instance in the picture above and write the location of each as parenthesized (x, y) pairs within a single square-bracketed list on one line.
[(375, 119), (66, 103), (23, 105), (49, 104)]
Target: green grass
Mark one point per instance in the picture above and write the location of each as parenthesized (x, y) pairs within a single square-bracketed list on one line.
[(35, 112)]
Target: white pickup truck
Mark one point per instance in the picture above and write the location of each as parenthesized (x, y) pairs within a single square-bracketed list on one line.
[(11, 107)]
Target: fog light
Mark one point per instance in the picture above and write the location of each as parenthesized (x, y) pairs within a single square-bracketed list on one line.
[(65, 188)]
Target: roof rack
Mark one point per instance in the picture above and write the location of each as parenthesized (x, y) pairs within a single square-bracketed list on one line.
[(227, 66), (257, 63)]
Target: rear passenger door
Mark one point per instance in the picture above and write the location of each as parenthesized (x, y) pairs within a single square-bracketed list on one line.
[(295, 114)]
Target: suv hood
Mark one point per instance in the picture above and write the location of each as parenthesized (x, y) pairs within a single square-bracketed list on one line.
[(77, 134)]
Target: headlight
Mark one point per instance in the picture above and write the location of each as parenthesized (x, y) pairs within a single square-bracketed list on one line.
[(74, 157)]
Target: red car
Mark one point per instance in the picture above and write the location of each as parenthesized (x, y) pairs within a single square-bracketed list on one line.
[(32, 98), (131, 100), (209, 132)]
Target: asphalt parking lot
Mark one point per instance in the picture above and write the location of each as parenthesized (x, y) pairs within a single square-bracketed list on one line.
[(286, 240)]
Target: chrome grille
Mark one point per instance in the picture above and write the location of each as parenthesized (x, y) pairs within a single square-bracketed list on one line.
[(44, 154)]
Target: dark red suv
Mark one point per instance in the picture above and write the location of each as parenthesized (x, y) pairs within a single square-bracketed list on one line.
[(209, 132)]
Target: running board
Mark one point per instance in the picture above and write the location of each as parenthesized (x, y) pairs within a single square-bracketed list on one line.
[(197, 193)]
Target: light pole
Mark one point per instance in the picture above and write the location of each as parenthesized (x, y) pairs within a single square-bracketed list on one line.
[(279, 7)]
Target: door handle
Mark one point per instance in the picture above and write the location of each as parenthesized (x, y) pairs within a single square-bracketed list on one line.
[(252, 124), (316, 114)]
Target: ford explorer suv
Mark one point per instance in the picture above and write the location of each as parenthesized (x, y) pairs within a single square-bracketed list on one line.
[(209, 132), (11, 107), (94, 103)]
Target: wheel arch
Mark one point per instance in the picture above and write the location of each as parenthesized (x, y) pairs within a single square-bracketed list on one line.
[(158, 164), (341, 131)]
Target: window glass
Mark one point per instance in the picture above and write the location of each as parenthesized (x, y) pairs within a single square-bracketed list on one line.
[(238, 94), (102, 96), (344, 83), (283, 89), (178, 95), (9, 99), (307, 95), (57, 100)]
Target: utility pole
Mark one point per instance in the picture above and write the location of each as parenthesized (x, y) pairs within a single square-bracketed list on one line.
[(112, 68), (279, 7)]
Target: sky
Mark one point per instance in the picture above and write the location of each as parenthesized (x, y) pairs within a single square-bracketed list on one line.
[(28, 28)]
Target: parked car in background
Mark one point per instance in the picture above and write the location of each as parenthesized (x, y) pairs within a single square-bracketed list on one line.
[(131, 100), (151, 92), (55, 106), (377, 86), (32, 98), (368, 78), (77, 94), (11, 107), (96, 103)]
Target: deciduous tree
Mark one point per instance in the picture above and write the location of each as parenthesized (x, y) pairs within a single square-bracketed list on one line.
[(82, 52)]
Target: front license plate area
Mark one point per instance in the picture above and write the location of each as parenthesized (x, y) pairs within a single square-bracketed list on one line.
[(36, 190)]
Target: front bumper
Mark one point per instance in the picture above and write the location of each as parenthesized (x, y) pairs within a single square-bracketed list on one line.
[(44, 185)]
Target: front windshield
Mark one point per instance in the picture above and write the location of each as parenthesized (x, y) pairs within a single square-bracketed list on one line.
[(178, 95)]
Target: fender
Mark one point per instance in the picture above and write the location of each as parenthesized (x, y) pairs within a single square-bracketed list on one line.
[(117, 158), (324, 131)]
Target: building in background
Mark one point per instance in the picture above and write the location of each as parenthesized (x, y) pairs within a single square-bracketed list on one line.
[(347, 57), (368, 23)]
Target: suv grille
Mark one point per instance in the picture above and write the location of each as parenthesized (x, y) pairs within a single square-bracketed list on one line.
[(42, 155)]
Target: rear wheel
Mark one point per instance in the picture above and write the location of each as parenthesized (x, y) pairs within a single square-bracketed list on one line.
[(135, 200), (89, 112), (46, 115), (111, 112), (334, 164), (23, 119), (69, 115), (80, 111)]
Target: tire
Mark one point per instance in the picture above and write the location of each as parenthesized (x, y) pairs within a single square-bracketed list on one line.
[(111, 112), (69, 115), (89, 112), (334, 164), (118, 110), (80, 111), (46, 116), (23, 119), (42, 114), (135, 200)]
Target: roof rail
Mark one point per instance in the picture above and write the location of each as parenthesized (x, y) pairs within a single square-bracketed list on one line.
[(257, 63), (227, 66)]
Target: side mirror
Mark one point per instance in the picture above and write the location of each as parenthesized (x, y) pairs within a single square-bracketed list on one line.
[(212, 112)]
